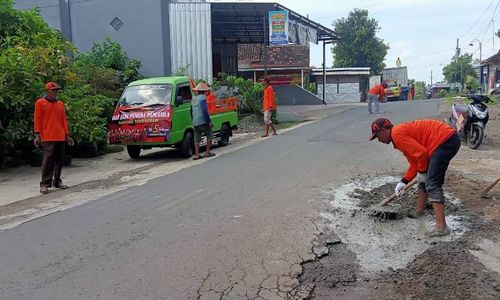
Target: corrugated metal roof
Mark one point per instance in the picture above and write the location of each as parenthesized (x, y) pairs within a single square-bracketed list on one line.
[(191, 38)]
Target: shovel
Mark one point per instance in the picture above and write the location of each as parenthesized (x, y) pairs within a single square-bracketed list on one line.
[(391, 197), (382, 212), (484, 193)]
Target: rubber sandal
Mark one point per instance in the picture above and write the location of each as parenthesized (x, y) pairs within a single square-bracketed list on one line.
[(210, 154), (196, 158)]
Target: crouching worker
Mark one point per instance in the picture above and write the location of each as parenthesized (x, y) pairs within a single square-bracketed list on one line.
[(429, 146)]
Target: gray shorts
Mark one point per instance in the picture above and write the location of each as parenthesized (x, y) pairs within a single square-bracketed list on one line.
[(199, 130)]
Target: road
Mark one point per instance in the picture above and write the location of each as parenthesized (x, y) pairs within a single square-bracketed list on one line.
[(235, 227)]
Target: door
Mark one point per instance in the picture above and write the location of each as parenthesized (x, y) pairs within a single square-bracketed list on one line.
[(181, 119)]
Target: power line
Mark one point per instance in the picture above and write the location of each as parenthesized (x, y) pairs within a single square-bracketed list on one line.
[(478, 19)]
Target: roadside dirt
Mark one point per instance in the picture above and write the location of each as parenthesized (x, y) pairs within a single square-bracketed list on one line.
[(392, 259)]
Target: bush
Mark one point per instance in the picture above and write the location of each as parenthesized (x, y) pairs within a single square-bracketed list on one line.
[(31, 53), (248, 93), (87, 114)]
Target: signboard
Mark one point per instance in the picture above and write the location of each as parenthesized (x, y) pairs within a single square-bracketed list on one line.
[(141, 125), (278, 27)]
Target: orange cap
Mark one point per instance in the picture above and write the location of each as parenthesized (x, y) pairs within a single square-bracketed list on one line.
[(52, 86)]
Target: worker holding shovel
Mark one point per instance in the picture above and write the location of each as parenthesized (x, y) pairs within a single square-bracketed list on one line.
[(429, 146)]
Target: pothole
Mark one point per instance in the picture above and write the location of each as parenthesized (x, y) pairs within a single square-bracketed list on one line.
[(380, 244), (370, 245)]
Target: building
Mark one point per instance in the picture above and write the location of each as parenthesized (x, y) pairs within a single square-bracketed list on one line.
[(285, 65), (343, 84), (490, 68), (166, 34)]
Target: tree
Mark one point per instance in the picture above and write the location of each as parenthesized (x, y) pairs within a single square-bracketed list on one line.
[(359, 45), (458, 69), (420, 90)]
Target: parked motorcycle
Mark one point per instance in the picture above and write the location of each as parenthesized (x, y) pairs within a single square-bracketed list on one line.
[(470, 120)]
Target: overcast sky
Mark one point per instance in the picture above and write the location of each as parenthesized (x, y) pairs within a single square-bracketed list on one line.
[(423, 33)]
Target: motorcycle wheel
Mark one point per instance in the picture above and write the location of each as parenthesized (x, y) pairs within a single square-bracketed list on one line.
[(475, 136)]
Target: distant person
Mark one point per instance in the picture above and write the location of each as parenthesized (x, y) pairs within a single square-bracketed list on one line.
[(268, 106), (412, 92), (375, 96), (51, 132), (201, 120), (429, 146)]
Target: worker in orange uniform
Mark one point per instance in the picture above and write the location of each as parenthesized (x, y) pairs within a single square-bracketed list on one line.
[(429, 146), (412, 92), (268, 106), (375, 96), (211, 100), (51, 131)]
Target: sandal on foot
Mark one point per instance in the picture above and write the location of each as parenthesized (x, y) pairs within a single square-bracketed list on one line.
[(199, 157), (210, 154)]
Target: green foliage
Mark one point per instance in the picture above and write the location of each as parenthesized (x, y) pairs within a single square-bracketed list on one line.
[(108, 54), (182, 71), (87, 113), (249, 94), (459, 68), (359, 47), (471, 84), (31, 54), (420, 90), (443, 94)]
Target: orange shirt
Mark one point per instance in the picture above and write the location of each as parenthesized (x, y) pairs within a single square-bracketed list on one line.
[(269, 99), (418, 140), (211, 102), (379, 90), (50, 120)]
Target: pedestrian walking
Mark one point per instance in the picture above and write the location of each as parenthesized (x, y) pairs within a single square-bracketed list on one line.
[(429, 146), (51, 132), (412, 92), (201, 120), (268, 106), (375, 96)]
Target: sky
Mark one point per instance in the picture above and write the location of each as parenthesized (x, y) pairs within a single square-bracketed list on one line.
[(423, 33)]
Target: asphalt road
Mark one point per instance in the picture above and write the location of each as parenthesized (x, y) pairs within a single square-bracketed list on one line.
[(234, 227)]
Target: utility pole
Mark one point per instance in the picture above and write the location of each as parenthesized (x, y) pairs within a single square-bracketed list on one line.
[(431, 78), (265, 46)]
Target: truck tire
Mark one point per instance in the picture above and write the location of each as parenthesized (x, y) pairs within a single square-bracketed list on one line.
[(134, 151), (187, 145), (225, 133)]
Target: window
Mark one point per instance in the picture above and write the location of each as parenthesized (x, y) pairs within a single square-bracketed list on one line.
[(146, 95), (185, 92)]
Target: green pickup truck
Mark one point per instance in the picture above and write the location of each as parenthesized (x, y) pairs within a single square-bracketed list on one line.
[(156, 112)]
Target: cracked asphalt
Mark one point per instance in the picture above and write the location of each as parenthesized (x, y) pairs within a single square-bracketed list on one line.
[(235, 227)]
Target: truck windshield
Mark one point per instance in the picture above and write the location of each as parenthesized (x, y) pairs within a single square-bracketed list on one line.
[(146, 95), (392, 84)]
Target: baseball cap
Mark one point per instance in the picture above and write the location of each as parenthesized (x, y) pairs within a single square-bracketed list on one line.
[(52, 86), (379, 124)]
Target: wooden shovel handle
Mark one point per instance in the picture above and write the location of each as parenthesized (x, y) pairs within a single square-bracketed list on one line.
[(484, 192), (391, 197)]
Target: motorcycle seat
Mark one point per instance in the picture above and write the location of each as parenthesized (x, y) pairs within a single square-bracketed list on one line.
[(461, 108)]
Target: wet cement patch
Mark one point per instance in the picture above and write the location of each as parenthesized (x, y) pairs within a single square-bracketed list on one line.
[(392, 259)]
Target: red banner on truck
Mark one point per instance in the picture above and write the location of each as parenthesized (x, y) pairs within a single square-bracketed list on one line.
[(140, 125)]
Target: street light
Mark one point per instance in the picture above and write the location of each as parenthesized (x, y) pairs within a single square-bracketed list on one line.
[(480, 57), (480, 48)]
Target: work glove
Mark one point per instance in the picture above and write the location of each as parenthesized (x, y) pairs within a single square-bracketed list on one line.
[(400, 189), (421, 177)]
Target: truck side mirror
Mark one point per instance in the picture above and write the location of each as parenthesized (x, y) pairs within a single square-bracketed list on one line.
[(179, 100)]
